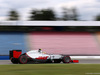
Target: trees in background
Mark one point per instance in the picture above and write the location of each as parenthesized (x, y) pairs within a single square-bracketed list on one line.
[(13, 15), (65, 13), (97, 18), (70, 14), (75, 14), (44, 14), (47, 14)]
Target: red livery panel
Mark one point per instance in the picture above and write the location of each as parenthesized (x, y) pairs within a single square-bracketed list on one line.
[(43, 58), (16, 54)]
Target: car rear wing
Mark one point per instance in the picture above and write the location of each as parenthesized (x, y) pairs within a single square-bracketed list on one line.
[(14, 53)]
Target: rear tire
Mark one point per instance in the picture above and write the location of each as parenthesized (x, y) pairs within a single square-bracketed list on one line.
[(23, 59), (14, 60), (66, 59)]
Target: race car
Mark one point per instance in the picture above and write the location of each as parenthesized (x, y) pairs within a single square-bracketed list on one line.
[(37, 56)]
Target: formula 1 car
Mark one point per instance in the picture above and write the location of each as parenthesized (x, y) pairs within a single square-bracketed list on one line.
[(37, 56)]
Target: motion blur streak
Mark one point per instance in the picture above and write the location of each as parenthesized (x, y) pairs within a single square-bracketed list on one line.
[(64, 42)]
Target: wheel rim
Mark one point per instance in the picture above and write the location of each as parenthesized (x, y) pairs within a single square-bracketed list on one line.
[(66, 59), (23, 59)]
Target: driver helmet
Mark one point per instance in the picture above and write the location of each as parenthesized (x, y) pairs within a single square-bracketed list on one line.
[(39, 50)]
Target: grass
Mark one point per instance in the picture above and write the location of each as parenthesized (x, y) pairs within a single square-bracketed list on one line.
[(50, 69)]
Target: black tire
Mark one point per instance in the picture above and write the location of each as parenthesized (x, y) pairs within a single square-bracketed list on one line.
[(23, 59), (66, 59), (14, 60), (57, 61)]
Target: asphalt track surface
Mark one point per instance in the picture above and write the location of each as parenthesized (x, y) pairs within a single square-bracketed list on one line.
[(81, 61)]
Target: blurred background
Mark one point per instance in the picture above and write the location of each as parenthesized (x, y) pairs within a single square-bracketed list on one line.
[(86, 10), (71, 40)]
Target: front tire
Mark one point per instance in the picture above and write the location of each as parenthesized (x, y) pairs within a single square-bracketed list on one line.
[(23, 59), (66, 59)]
